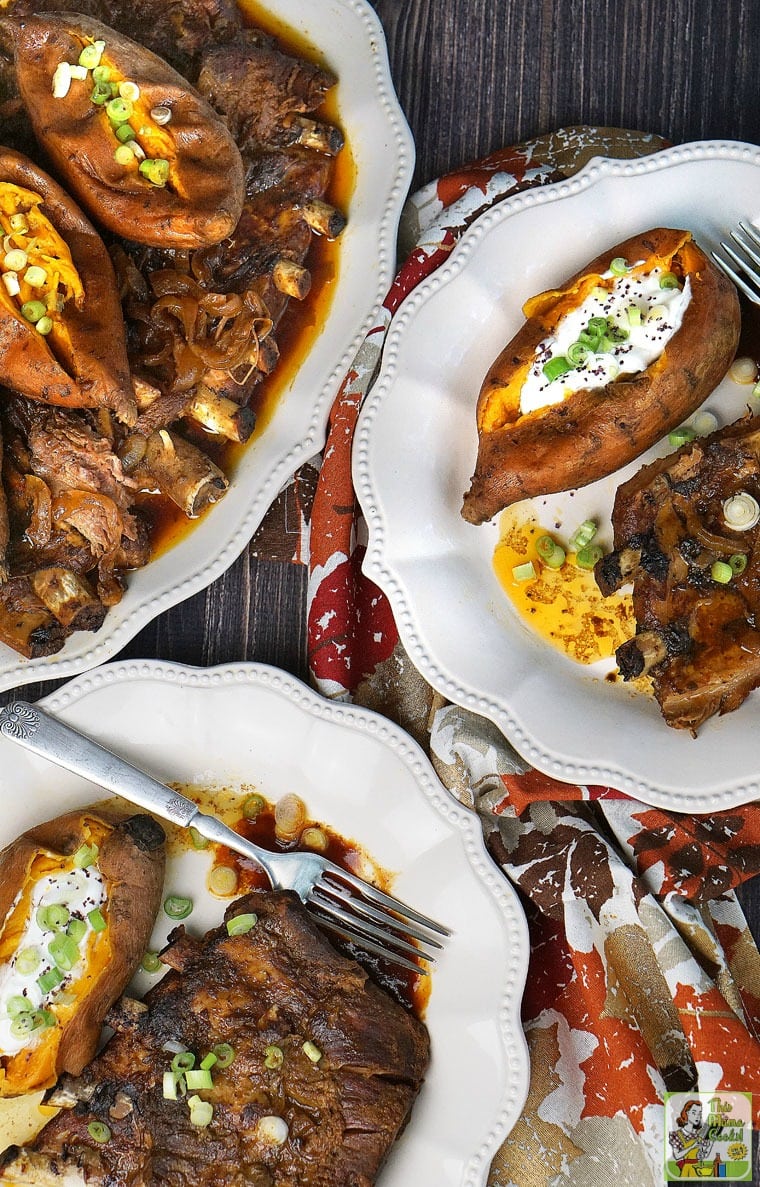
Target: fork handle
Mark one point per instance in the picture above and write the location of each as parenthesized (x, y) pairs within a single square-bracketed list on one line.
[(51, 738)]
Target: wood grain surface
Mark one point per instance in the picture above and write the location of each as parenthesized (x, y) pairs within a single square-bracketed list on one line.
[(473, 76)]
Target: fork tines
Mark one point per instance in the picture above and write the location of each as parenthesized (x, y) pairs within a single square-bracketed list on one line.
[(747, 239), (375, 921)]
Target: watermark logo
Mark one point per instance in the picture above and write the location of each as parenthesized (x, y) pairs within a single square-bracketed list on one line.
[(708, 1135)]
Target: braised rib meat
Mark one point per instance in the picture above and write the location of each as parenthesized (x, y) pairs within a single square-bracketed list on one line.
[(326, 1068), (687, 535), (202, 325)]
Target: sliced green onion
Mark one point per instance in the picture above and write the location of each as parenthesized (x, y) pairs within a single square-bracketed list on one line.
[(27, 962), (156, 171), (101, 93), (253, 805), (85, 856), (586, 558), (590, 341), (33, 310), (44, 325), (61, 80), (681, 436), (198, 839), (123, 155), (617, 333), (170, 1084), (524, 572), (99, 1131), (96, 920), (633, 313), (619, 266), (64, 951), (738, 563), (555, 367), (596, 326), (273, 1056), (721, 572), (119, 110), (550, 552), (183, 1061), (208, 1061), (50, 979), (53, 917), (577, 353), (101, 75), (583, 534), (91, 55), (45, 1018), (129, 90), (240, 924), (18, 1005), (150, 962), (311, 1051), (669, 280), (224, 1054), (24, 1024), (177, 907), (201, 1112), (199, 1078), (77, 929), (124, 133)]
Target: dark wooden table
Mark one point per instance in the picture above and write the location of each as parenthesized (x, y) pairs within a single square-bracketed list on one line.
[(473, 76)]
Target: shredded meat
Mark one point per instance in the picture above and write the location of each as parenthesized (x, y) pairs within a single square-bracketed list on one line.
[(697, 636)]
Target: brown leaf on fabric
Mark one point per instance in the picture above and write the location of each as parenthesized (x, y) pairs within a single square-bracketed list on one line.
[(546, 859)]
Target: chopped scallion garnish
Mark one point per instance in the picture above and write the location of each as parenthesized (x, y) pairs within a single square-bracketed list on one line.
[(738, 562), (311, 1051), (86, 855), (273, 1057), (183, 1061), (150, 962), (669, 280), (176, 906), (583, 534), (99, 1131), (555, 367), (240, 924), (680, 436), (619, 266), (96, 920), (224, 1054), (199, 1078), (721, 572), (586, 558), (550, 552), (201, 1112), (525, 572)]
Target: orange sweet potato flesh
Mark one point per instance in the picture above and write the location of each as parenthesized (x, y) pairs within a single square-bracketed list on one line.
[(201, 203), (131, 861), (85, 367), (592, 433)]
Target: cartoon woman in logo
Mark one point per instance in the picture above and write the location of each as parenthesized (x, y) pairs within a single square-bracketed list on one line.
[(690, 1144)]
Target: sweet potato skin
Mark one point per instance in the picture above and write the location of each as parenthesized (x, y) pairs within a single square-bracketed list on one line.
[(593, 433), (72, 132), (131, 860), (97, 375)]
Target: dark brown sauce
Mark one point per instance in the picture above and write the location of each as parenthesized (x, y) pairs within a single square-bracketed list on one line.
[(301, 322), (408, 988), (749, 342)]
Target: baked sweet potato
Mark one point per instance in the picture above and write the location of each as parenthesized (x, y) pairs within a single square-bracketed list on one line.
[(587, 432), (182, 185), (78, 896), (62, 337)]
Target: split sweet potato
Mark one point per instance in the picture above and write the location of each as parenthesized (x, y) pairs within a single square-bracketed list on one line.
[(182, 187), (75, 356), (594, 431), (64, 1025)]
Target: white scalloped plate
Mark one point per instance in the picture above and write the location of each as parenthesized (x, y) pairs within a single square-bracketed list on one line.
[(349, 35), (417, 433), (360, 774)]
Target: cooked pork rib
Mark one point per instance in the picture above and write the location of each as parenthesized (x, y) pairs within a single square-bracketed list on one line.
[(697, 636), (332, 1111)]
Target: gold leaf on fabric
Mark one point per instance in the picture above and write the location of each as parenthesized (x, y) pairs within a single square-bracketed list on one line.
[(629, 950), (612, 1153), (536, 1150)]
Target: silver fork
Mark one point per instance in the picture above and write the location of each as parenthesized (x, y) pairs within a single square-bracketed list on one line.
[(352, 908), (747, 239)]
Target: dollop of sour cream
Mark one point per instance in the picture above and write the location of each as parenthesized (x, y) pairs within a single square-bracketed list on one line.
[(644, 344), (80, 891)]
